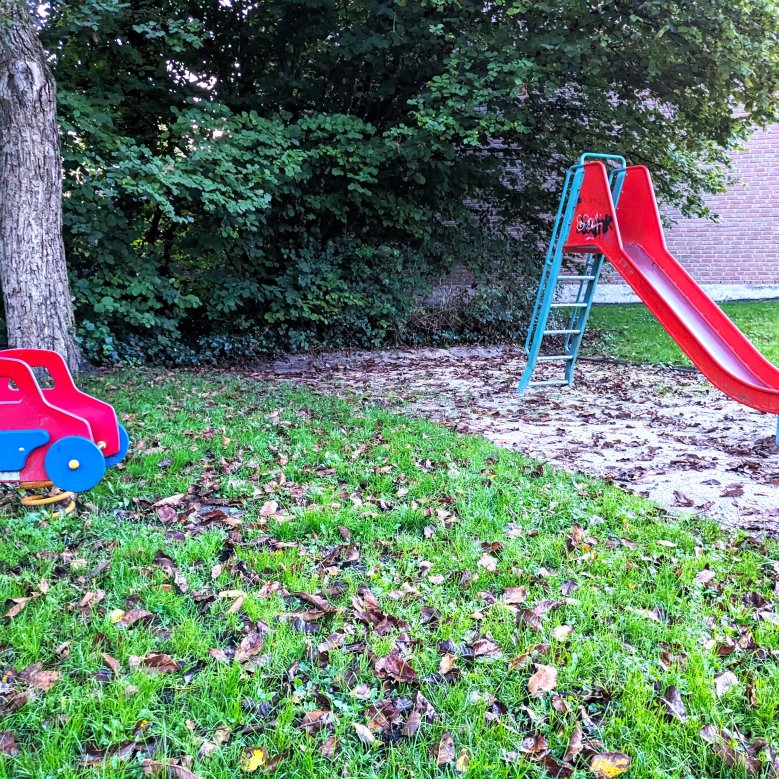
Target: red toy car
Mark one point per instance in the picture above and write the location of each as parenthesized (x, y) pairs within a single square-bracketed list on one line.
[(56, 434)]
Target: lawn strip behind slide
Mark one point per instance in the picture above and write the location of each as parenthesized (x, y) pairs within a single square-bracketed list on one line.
[(630, 332)]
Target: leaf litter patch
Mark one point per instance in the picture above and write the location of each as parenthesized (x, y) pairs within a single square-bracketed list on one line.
[(658, 432)]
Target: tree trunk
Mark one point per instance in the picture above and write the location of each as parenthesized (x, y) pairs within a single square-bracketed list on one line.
[(33, 273)]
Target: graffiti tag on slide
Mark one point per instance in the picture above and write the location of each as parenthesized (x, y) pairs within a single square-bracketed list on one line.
[(595, 225)]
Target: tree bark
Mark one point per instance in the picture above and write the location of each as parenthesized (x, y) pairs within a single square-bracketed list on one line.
[(33, 273)]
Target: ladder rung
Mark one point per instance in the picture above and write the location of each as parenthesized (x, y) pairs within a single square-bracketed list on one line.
[(562, 332), (576, 278), (555, 358), (569, 305), (552, 383)]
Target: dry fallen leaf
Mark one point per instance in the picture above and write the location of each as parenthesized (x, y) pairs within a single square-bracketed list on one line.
[(705, 576), (463, 761), (362, 692), (394, 667), (534, 745), (543, 680), (723, 682), (206, 748), (317, 602), (236, 605), (19, 604), (532, 617), (156, 662), (115, 615), (168, 770), (329, 747), (231, 594), (173, 500), (561, 632), (131, 617), (488, 562), (447, 663), (222, 734), (250, 645), (674, 705), (486, 647), (269, 508), (316, 720), (412, 723), (444, 753), (732, 750), (609, 764), (555, 769), (111, 662), (8, 744), (514, 595), (15, 701), (253, 758), (363, 733), (44, 680), (575, 745)]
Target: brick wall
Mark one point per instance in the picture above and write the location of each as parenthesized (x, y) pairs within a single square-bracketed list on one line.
[(743, 247)]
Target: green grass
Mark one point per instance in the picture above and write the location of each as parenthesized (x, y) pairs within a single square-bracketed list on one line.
[(630, 332), (367, 498)]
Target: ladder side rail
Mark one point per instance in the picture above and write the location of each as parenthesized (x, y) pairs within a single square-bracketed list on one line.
[(584, 315), (534, 323), (591, 270), (538, 335), (555, 254), (548, 261), (616, 180)]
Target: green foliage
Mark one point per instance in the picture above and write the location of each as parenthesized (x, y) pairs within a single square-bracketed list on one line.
[(284, 174)]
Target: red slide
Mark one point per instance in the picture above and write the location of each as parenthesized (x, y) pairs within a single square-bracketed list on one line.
[(631, 238)]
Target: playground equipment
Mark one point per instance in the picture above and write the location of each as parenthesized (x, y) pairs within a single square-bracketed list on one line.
[(53, 436), (613, 215)]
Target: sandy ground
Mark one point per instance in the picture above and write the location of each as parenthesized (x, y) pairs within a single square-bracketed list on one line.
[(661, 433)]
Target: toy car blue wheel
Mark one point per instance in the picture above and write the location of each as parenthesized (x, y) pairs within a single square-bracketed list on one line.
[(74, 463), (124, 445)]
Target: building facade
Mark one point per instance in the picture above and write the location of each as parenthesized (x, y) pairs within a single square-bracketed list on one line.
[(743, 246)]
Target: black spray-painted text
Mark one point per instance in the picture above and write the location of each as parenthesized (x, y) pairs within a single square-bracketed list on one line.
[(598, 224)]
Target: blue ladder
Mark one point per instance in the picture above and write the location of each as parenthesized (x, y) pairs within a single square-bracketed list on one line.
[(551, 278)]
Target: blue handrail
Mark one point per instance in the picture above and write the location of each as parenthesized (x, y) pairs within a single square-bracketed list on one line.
[(591, 155), (553, 263), (570, 194)]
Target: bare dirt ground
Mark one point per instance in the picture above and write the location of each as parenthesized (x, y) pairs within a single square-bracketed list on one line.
[(658, 432)]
